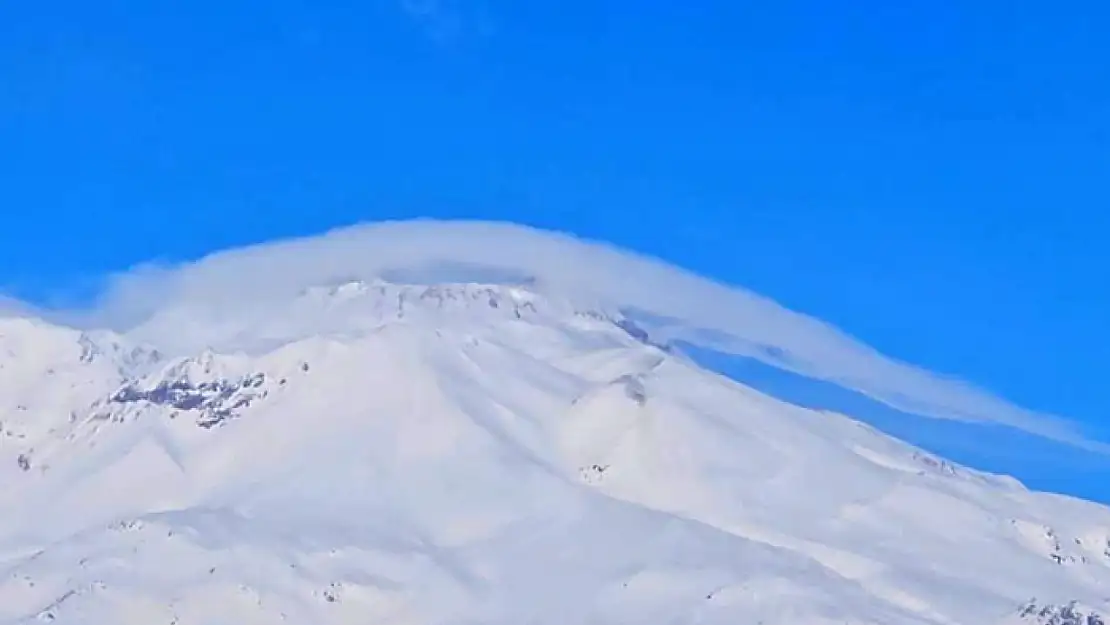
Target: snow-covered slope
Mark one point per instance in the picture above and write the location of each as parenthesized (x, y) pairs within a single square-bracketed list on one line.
[(462, 453)]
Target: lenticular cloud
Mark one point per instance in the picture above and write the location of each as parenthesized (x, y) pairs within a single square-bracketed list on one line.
[(678, 304)]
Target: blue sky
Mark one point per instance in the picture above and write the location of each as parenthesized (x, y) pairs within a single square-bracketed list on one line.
[(931, 177)]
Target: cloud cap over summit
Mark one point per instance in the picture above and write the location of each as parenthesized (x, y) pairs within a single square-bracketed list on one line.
[(679, 304)]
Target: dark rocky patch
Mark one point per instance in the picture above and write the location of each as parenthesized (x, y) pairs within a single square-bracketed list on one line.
[(214, 401), (1066, 614)]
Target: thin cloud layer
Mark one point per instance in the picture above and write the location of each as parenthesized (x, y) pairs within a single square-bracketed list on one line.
[(11, 307), (678, 305)]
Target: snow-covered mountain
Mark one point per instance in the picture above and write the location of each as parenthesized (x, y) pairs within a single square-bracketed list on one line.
[(374, 452)]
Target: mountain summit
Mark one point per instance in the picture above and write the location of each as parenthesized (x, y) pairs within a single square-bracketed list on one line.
[(375, 452)]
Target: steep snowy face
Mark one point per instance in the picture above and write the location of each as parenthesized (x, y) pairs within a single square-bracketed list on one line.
[(463, 453)]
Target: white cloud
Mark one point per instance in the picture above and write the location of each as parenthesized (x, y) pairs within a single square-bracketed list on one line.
[(699, 310), (11, 307)]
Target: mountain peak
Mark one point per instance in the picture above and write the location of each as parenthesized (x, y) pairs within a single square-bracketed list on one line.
[(472, 452), (393, 298), (353, 308), (422, 447)]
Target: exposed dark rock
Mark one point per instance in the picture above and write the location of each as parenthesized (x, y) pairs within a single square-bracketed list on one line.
[(214, 401), (937, 464), (1066, 614)]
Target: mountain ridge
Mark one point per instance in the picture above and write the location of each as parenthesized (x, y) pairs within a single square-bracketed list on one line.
[(491, 454)]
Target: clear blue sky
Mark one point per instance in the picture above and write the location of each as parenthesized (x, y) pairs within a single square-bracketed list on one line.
[(931, 176)]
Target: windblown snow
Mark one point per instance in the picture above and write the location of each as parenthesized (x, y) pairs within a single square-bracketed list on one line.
[(458, 453)]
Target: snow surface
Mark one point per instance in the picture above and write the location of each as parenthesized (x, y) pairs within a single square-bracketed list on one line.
[(371, 452)]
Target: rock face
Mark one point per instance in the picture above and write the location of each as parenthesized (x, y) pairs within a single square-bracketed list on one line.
[(463, 453), (1067, 614), (211, 403)]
